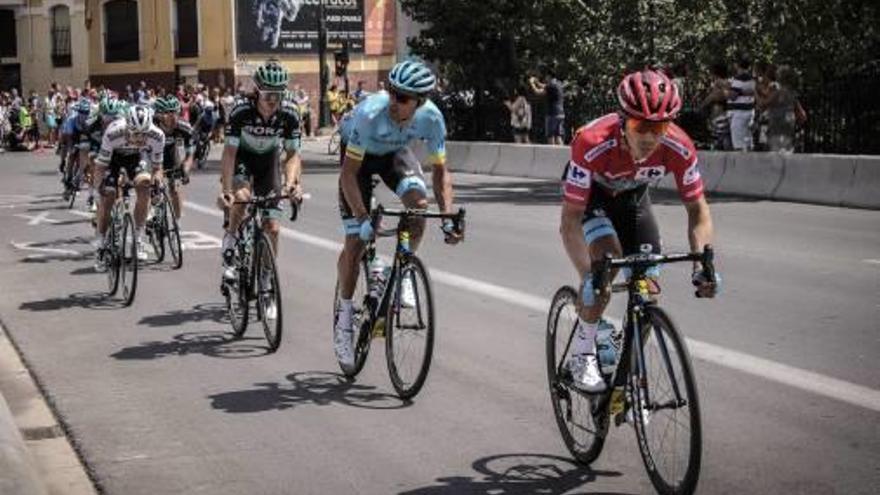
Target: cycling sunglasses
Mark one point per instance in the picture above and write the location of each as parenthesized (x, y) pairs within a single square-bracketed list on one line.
[(271, 96), (402, 98), (647, 126)]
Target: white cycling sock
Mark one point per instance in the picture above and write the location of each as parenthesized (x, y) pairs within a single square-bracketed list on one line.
[(346, 308), (585, 338)]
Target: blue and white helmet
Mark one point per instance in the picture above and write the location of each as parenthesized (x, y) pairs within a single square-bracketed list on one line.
[(83, 106), (139, 118), (413, 77)]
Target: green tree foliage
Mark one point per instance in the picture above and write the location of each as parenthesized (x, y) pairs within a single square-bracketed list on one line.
[(492, 45)]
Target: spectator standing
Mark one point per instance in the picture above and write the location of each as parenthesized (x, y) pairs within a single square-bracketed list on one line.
[(741, 105), (301, 100), (715, 105), (520, 116), (784, 112), (360, 93), (553, 91), (51, 116)]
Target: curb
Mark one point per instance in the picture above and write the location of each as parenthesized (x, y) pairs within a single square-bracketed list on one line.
[(36, 457), (18, 471)]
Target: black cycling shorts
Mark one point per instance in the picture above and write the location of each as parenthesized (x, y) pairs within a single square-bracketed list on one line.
[(263, 172), (400, 171), (131, 164), (627, 215)]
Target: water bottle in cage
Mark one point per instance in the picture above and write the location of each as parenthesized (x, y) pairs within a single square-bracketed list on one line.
[(378, 277), (607, 346)]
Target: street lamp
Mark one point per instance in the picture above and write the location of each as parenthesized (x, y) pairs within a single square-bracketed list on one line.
[(323, 111)]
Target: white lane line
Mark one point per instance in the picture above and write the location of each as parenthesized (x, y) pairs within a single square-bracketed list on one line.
[(808, 381), (37, 219), (872, 262), (46, 251)]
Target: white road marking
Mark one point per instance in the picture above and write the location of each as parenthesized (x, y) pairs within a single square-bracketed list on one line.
[(191, 240), (80, 213), (45, 251), (808, 381), (872, 262), (42, 217)]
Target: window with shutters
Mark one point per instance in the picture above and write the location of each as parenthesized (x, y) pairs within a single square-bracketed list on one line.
[(185, 23), (8, 41), (61, 36), (121, 31)]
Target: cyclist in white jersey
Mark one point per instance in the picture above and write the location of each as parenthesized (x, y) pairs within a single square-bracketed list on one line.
[(136, 146)]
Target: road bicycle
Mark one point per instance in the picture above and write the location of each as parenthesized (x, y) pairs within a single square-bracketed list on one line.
[(162, 228), (379, 310), (256, 277), (119, 253), (651, 385), (334, 141)]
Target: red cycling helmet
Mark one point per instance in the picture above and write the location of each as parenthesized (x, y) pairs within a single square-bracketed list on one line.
[(649, 95)]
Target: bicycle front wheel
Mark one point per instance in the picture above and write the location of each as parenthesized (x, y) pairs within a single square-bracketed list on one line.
[(128, 259), (157, 229), (666, 409), (268, 293), (582, 431), (172, 233), (409, 328), (112, 255)]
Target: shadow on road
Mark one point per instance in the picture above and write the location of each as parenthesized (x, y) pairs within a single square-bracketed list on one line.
[(212, 344), (315, 388), (213, 312), (87, 300), (519, 474)]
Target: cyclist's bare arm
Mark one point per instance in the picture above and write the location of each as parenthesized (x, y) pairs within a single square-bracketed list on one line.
[(350, 189), (292, 170), (573, 237), (227, 166), (442, 182), (700, 229)]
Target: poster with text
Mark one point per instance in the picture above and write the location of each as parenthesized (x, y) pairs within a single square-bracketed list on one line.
[(291, 26)]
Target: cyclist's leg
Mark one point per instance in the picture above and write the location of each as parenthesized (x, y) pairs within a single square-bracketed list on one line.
[(406, 179), (141, 180), (241, 188), (266, 182), (169, 167), (105, 180), (348, 266)]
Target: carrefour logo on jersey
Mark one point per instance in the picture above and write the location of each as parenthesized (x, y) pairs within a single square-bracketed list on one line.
[(651, 173)]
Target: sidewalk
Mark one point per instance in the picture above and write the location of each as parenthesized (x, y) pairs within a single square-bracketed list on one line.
[(35, 455)]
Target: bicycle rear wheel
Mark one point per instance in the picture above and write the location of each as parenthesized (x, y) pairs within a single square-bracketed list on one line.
[(582, 430), (172, 233), (361, 320), (268, 294), (128, 259), (236, 291), (666, 411), (409, 329)]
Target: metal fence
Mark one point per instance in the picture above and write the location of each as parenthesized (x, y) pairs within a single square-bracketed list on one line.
[(843, 116)]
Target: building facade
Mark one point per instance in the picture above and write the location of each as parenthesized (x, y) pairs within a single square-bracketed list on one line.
[(42, 41)]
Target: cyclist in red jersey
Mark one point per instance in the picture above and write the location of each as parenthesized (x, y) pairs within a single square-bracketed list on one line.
[(606, 206)]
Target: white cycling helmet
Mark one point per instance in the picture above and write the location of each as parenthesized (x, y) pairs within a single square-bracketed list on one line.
[(139, 118)]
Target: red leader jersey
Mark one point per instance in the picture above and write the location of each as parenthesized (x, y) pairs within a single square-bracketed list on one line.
[(598, 158)]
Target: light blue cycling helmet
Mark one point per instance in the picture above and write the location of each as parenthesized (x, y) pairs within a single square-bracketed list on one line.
[(413, 77), (83, 106)]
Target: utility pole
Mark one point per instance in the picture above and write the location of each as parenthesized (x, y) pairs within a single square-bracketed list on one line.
[(323, 117)]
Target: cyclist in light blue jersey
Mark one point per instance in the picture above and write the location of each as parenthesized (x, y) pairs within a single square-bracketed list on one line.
[(375, 140)]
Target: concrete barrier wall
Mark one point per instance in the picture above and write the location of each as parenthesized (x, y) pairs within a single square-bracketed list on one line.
[(836, 180)]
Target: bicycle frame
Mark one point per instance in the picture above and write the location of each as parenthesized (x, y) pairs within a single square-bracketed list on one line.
[(639, 298), (402, 252)]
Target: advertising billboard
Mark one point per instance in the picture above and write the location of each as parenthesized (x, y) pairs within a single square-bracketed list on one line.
[(291, 26)]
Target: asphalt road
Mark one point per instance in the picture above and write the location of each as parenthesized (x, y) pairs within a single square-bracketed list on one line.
[(159, 399)]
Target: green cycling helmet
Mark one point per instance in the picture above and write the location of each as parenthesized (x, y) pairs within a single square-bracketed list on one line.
[(169, 104), (112, 107), (271, 76)]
